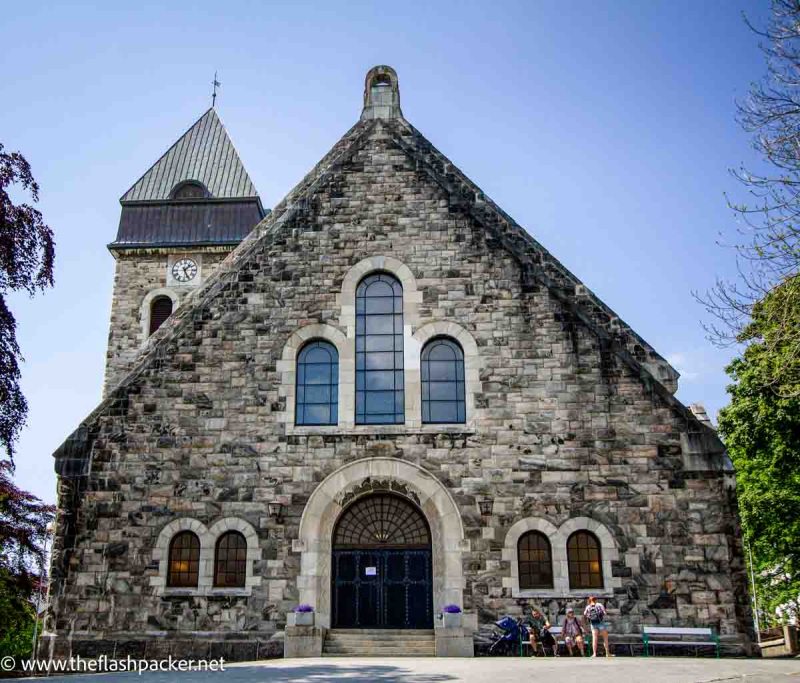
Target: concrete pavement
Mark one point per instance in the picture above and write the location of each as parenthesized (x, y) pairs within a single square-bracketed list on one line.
[(497, 670)]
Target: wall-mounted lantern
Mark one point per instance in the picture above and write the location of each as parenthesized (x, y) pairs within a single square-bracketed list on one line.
[(486, 505), (275, 509)]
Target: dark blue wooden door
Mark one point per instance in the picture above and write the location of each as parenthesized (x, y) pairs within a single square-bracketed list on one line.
[(386, 588)]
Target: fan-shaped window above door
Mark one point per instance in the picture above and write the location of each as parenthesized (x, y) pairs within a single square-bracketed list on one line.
[(382, 521)]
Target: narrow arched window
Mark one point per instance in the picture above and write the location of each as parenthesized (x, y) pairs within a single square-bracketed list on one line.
[(160, 310), (583, 557), (184, 560), (379, 351), (443, 382), (317, 391), (535, 561), (230, 560)]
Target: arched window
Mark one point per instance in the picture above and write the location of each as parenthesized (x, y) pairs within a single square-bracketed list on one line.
[(443, 382), (583, 557), (381, 521), (535, 561), (160, 310), (317, 391), (189, 190), (230, 561), (379, 351), (184, 560)]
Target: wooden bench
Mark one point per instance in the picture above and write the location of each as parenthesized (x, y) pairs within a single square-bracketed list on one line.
[(656, 635), (555, 632)]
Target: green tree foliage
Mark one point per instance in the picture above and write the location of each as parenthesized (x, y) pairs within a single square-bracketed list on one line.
[(761, 428), (23, 536), (17, 617)]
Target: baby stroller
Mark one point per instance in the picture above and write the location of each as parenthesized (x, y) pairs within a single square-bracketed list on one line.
[(507, 642)]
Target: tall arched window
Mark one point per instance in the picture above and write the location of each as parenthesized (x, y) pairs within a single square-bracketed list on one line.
[(379, 351), (317, 391), (230, 560), (443, 382), (535, 561), (184, 560), (160, 310), (583, 557)]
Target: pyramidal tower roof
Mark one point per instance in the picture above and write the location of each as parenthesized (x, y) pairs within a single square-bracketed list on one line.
[(204, 154)]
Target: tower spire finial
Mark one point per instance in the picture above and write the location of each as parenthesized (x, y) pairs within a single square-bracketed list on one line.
[(381, 94), (215, 83)]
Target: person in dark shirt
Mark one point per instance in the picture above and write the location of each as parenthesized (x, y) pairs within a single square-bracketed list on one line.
[(540, 636), (535, 623)]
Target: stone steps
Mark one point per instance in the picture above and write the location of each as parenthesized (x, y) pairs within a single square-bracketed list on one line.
[(379, 643)]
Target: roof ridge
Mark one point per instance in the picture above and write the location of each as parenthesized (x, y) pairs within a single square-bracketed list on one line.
[(611, 337), (477, 197)]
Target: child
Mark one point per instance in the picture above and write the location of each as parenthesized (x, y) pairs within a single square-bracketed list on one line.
[(573, 633)]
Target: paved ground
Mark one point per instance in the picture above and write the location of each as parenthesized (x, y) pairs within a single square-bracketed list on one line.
[(497, 670)]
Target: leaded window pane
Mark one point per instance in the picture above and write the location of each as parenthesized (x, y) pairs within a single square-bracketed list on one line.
[(184, 560), (584, 559), (443, 389), (317, 390), (381, 521), (230, 561), (379, 351), (535, 561)]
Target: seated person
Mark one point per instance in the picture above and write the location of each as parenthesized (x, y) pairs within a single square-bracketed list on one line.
[(539, 630), (547, 640), (573, 633), (535, 623)]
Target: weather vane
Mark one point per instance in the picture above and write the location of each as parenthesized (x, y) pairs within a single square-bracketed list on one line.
[(216, 84)]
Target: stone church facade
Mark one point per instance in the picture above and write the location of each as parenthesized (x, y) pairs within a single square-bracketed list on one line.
[(378, 399)]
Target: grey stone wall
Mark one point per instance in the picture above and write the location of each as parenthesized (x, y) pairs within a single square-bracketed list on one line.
[(563, 429), (138, 272)]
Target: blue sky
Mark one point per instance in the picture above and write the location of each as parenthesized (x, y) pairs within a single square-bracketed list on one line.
[(605, 128)]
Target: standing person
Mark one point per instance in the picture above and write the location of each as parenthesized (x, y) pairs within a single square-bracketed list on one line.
[(595, 613), (573, 633)]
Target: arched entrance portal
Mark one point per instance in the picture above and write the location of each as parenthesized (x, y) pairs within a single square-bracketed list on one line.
[(382, 565)]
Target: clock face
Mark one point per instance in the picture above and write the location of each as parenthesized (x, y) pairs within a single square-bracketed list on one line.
[(184, 270)]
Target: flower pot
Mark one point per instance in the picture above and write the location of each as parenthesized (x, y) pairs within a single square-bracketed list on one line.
[(451, 620), (303, 618)]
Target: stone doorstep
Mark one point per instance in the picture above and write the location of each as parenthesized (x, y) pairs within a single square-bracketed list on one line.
[(380, 643), (372, 650)]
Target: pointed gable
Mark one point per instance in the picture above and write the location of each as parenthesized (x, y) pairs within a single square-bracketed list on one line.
[(539, 268), (204, 153)]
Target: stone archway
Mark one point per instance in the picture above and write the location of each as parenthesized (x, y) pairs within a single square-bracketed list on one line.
[(338, 489)]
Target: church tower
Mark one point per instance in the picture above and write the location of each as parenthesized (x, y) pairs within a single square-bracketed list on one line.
[(178, 221)]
